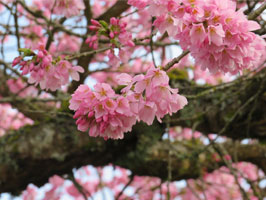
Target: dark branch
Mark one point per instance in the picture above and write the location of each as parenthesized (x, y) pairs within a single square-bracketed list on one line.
[(56, 147)]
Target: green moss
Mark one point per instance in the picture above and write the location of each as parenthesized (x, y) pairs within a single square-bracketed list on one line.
[(64, 106), (178, 74)]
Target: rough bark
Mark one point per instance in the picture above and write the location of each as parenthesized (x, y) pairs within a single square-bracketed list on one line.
[(236, 109), (35, 153)]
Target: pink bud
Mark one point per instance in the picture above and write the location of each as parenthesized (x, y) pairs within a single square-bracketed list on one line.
[(87, 40), (111, 35), (40, 54), (227, 157), (95, 22), (105, 118), (99, 120), (93, 28), (16, 61), (123, 25), (31, 67), (114, 21), (90, 114), (130, 43)]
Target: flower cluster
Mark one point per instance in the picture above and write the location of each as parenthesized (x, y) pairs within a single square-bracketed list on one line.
[(144, 188), (115, 31), (106, 114), (147, 88), (216, 184), (20, 88), (179, 133), (65, 44), (100, 6), (33, 35), (67, 8), (117, 34), (11, 119), (199, 75), (222, 183), (140, 4), (50, 74), (218, 37), (109, 115), (136, 66)]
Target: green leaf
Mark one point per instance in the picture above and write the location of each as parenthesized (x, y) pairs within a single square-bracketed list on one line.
[(26, 52), (104, 24)]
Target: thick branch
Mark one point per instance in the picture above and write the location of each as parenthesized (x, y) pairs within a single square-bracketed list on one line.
[(56, 147), (116, 10)]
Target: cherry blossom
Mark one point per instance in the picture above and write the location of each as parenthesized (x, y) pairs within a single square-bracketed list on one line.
[(109, 115), (218, 36), (119, 38), (219, 183), (50, 74), (67, 8), (11, 119)]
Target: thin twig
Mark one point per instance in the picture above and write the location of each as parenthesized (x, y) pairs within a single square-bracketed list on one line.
[(151, 42), (87, 53), (175, 60), (16, 26), (222, 152), (78, 186), (125, 187)]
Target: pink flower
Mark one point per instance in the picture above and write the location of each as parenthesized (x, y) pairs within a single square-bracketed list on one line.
[(114, 61), (197, 34), (92, 41), (167, 23), (125, 38), (20, 88), (123, 79), (227, 157), (147, 112), (73, 71), (16, 61), (67, 8), (109, 115), (30, 193), (46, 72), (142, 83), (34, 34), (66, 43), (11, 119), (118, 36), (159, 77), (216, 34), (140, 4), (159, 5), (103, 91), (123, 106)]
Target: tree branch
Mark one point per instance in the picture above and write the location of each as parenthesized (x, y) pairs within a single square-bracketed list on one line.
[(56, 147), (210, 108)]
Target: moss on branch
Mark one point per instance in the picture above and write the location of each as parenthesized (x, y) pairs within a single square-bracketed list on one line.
[(34, 153)]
